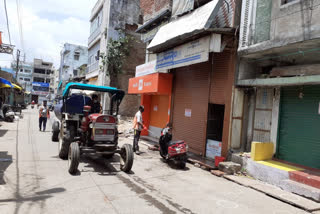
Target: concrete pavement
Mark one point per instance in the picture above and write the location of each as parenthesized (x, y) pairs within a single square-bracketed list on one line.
[(37, 181)]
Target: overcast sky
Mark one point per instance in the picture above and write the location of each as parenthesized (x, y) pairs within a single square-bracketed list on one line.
[(47, 25)]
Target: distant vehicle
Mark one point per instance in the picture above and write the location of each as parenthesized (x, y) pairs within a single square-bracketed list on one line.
[(80, 132)]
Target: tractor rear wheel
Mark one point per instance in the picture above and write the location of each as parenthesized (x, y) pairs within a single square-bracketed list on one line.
[(73, 158), (126, 158)]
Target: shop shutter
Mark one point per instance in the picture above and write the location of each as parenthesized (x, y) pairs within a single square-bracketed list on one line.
[(219, 78), (299, 130), (191, 93)]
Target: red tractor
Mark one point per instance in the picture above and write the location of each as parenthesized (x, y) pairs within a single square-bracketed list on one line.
[(82, 132)]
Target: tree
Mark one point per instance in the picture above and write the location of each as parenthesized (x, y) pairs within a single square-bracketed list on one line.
[(117, 52)]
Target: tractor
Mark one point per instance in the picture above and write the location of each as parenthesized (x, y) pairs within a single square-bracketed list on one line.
[(80, 131)]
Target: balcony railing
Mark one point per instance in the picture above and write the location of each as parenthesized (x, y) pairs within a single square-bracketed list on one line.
[(94, 35), (93, 67)]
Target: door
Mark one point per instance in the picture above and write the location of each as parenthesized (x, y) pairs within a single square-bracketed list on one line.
[(299, 129), (158, 114), (263, 115)]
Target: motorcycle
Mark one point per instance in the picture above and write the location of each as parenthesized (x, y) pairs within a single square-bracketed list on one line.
[(173, 150)]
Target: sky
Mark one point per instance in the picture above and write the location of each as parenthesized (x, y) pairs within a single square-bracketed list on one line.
[(46, 26)]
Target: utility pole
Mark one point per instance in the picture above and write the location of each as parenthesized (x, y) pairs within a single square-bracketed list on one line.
[(18, 56)]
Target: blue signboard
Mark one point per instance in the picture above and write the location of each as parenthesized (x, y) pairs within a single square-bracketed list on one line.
[(40, 84)]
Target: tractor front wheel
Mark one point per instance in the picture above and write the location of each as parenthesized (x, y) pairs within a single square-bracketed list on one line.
[(66, 137), (126, 158), (73, 158), (55, 131)]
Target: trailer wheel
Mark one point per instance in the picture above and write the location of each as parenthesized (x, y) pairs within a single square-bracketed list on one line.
[(55, 131), (73, 158), (126, 158)]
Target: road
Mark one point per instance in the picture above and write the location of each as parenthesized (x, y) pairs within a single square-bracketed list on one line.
[(34, 180)]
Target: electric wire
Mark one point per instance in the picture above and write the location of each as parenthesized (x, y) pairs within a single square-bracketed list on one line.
[(5, 8), (20, 24)]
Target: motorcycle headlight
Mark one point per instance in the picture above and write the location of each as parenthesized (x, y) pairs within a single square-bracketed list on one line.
[(91, 126)]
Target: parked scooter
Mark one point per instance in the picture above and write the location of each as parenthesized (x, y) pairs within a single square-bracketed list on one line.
[(172, 150), (8, 113)]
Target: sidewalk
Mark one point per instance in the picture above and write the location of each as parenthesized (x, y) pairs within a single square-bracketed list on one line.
[(290, 177)]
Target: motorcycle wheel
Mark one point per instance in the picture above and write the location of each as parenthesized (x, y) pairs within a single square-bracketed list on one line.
[(182, 164)]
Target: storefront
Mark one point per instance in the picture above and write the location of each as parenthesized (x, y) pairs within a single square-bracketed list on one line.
[(299, 122), (202, 65), (201, 104), (155, 90)]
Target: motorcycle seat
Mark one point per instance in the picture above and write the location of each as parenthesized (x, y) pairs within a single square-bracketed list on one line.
[(173, 142)]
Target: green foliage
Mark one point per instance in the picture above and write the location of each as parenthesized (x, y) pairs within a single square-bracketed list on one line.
[(118, 50)]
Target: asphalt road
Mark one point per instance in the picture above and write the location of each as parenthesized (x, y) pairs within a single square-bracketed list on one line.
[(34, 180)]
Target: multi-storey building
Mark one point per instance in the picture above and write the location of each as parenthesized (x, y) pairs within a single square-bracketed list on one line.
[(72, 58), (110, 20), (188, 77), (24, 75), (42, 77), (279, 79)]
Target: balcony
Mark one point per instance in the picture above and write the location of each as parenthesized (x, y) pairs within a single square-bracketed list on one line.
[(93, 36), (93, 67), (96, 8)]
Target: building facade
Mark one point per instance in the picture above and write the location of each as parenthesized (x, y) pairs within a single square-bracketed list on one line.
[(42, 80), (278, 80), (111, 20), (72, 58), (25, 75), (188, 77)]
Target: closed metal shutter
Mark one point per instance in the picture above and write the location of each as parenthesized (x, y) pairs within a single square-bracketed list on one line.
[(191, 94), (299, 130), (220, 78)]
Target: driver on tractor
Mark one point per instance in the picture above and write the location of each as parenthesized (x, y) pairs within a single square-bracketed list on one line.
[(95, 104)]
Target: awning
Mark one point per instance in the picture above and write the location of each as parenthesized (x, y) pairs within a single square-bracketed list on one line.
[(5, 83), (185, 27), (157, 83), (16, 87)]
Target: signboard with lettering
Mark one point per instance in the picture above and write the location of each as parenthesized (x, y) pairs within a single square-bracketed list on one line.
[(187, 54), (213, 149), (145, 69)]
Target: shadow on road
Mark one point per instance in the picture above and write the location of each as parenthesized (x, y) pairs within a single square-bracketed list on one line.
[(3, 132), (103, 166), (5, 161)]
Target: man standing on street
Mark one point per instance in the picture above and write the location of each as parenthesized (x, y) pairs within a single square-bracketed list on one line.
[(137, 126), (44, 114)]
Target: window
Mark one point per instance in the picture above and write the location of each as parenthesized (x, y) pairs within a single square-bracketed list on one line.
[(27, 79), (39, 71), (20, 78), (76, 56), (48, 81), (75, 72), (288, 1), (38, 79), (27, 71), (21, 70)]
